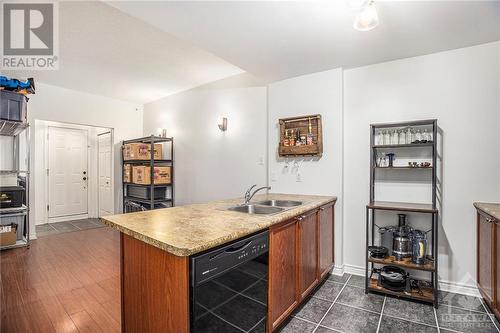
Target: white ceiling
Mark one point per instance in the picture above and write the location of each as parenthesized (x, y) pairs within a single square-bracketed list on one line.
[(280, 39), (107, 52), (141, 51)]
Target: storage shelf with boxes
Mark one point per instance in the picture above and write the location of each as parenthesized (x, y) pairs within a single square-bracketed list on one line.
[(148, 177), (14, 173)]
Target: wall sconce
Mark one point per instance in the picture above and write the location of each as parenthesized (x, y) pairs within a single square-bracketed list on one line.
[(223, 124)]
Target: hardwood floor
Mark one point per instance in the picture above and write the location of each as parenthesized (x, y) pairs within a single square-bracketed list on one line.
[(64, 283)]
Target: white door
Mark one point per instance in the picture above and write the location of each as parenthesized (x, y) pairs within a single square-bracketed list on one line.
[(68, 173), (104, 171)]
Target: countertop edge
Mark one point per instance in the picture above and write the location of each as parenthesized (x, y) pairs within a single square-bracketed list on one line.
[(186, 252), (482, 206)]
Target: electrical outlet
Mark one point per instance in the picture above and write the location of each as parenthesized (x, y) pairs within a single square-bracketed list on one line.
[(273, 176), (299, 179), (261, 160)]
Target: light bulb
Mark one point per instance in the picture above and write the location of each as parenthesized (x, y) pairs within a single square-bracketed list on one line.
[(367, 18)]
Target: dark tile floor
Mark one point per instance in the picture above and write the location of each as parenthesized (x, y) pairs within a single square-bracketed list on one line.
[(48, 229), (340, 305)]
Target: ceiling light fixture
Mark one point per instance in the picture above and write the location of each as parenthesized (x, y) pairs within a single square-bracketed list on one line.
[(367, 17)]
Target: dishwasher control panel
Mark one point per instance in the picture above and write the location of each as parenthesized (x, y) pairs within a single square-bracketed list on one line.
[(214, 263)]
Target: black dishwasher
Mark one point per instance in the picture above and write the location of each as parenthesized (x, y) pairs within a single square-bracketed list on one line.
[(229, 287)]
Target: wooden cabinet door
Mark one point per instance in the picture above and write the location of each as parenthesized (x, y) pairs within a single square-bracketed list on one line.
[(496, 273), (308, 254), (326, 239), (485, 249), (283, 247)]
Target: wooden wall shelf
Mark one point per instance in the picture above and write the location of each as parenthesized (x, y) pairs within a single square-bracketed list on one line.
[(301, 124)]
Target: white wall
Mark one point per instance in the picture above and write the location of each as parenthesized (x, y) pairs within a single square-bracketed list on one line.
[(461, 89), (319, 93), (210, 164), (69, 106)]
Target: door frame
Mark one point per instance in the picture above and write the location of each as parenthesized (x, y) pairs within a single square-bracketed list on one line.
[(93, 211), (112, 176)]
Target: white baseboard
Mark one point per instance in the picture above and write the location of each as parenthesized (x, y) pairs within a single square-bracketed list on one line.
[(33, 237), (459, 288), (338, 270), (453, 287), (354, 270), (68, 218)]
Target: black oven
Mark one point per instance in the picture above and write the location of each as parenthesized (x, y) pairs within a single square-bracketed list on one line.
[(229, 287)]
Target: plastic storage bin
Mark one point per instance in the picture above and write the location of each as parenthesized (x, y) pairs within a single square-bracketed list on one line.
[(16, 219), (12, 106)]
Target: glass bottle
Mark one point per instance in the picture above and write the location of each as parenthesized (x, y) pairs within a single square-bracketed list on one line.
[(418, 136), (292, 138), (409, 136), (286, 141), (402, 137), (394, 137), (379, 138), (425, 135), (310, 137), (387, 138)]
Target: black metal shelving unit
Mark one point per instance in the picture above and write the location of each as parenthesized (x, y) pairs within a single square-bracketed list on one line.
[(427, 294), (152, 202), (16, 129)]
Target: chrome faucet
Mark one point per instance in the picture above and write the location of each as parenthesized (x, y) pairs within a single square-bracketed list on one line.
[(249, 195)]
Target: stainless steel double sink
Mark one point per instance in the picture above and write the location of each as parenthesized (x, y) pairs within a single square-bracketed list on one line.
[(266, 207)]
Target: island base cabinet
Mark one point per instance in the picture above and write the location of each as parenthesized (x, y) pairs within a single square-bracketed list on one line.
[(153, 283), (283, 247)]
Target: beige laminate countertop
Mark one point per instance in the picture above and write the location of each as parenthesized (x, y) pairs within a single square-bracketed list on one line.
[(492, 209), (186, 230)]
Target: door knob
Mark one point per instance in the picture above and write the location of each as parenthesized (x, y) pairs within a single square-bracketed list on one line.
[(85, 172), (84, 178)]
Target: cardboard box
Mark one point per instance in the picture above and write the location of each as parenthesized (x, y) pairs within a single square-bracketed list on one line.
[(127, 173), (8, 234), (142, 175), (141, 151)]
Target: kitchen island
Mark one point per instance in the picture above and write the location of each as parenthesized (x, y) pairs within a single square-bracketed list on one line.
[(156, 247)]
